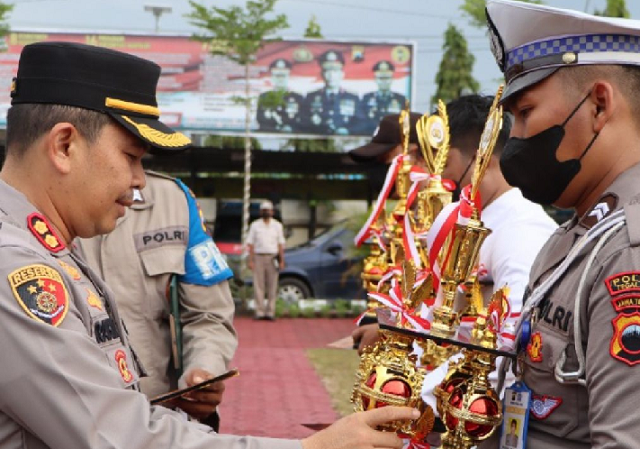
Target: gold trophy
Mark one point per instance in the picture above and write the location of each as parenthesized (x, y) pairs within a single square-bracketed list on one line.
[(388, 373), (433, 135), (470, 407), (466, 239), (403, 181)]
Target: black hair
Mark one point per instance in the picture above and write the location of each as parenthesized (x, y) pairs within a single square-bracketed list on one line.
[(467, 117), (26, 123)]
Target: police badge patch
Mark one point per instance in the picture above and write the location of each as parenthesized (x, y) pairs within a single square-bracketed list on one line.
[(40, 291), (625, 343), (543, 406)]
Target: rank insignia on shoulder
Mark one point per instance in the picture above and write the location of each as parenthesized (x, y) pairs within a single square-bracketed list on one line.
[(622, 283), (625, 342), (534, 348), (602, 209), (71, 270), (543, 406), (40, 291), (42, 230)]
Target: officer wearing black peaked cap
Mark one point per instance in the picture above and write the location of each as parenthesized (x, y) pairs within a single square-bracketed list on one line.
[(81, 119)]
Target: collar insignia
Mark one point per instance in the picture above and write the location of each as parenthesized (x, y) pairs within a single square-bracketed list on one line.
[(605, 206), (42, 230)]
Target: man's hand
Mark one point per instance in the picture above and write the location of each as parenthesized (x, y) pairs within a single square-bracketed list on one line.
[(200, 403), (357, 431), (250, 263), (281, 263), (366, 335)]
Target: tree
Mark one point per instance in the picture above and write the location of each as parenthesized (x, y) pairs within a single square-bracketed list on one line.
[(5, 9), (474, 9), (238, 33), (454, 76), (313, 29), (614, 8)]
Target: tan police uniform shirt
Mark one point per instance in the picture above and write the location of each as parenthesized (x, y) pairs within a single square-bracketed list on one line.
[(137, 261), (68, 378), (602, 414)]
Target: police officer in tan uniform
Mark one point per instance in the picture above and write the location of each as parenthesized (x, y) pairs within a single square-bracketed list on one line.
[(162, 237), (572, 82), (81, 119)]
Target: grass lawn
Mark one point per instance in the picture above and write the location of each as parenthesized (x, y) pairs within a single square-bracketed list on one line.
[(337, 369)]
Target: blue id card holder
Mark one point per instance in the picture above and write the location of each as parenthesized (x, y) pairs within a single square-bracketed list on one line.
[(516, 406)]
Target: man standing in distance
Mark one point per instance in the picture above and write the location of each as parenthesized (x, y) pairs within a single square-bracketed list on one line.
[(266, 254)]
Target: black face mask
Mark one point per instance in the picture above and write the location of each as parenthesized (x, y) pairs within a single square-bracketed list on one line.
[(455, 195), (265, 214), (531, 164)]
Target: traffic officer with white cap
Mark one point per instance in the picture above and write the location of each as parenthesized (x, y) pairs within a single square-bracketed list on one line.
[(572, 82), (81, 119)]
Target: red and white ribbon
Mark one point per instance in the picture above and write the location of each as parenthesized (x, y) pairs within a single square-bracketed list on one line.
[(392, 173), (394, 302)]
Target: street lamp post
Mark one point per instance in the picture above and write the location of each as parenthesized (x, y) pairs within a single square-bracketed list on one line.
[(157, 11)]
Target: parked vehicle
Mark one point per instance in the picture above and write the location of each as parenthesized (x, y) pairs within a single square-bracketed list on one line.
[(322, 268)]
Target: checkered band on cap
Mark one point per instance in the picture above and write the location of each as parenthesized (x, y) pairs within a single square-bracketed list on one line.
[(524, 58)]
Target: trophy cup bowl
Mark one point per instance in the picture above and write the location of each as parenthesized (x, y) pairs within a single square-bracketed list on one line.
[(465, 243), (388, 375)]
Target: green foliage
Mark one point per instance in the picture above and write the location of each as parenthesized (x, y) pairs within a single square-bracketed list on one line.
[(294, 310), (342, 308), (325, 311), (230, 142), (281, 306), (235, 32), (308, 312), (272, 99), (313, 29), (5, 9), (614, 8), (474, 9), (455, 73)]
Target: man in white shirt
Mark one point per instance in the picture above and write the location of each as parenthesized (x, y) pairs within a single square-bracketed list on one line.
[(265, 242), (519, 227)]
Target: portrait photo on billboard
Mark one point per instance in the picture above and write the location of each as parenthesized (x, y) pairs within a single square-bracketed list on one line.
[(331, 88)]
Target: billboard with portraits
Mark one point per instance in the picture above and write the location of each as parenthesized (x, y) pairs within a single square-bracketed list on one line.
[(298, 87)]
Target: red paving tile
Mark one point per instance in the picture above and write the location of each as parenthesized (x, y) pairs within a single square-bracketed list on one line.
[(278, 390)]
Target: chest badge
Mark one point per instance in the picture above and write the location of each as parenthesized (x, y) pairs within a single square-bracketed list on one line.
[(71, 270), (543, 406), (123, 367), (40, 291), (42, 230), (93, 300), (534, 348)]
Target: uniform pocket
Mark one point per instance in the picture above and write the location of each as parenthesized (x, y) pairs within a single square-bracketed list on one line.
[(163, 260), (558, 408)]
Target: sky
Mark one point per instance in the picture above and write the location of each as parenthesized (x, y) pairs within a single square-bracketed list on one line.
[(420, 21)]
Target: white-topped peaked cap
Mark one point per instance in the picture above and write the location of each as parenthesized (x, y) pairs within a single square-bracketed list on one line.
[(530, 42), (266, 205)]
